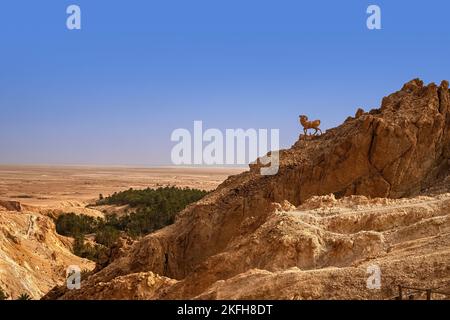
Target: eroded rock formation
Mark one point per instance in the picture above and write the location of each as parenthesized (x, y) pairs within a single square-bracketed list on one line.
[(33, 257), (244, 240)]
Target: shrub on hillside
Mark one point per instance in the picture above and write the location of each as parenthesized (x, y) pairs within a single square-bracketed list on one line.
[(24, 296), (73, 225), (171, 198), (153, 209), (87, 250), (107, 235)]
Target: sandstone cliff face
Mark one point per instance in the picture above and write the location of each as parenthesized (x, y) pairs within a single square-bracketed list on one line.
[(33, 258), (246, 229), (394, 151)]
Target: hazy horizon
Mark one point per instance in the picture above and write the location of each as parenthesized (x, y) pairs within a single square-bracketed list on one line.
[(131, 166)]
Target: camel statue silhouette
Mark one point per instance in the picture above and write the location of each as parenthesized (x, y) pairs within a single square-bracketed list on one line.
[(309, 125)]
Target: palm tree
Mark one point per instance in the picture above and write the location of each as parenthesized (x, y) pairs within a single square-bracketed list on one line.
[(24, 296)]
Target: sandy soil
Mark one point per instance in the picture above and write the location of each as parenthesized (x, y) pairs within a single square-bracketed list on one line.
[(51, 185)]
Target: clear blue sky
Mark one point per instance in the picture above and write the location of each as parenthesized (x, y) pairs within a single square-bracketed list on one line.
[(112, 92)]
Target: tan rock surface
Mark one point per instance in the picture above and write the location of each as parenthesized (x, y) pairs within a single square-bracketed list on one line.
[(136, 286), (33, 258), (238, 243)]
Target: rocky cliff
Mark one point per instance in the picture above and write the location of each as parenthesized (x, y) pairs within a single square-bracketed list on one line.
[(256, 236), (33, 258)]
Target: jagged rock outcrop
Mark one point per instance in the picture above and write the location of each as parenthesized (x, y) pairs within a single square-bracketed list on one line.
[(33, 258), (136, 286), (396, 151)]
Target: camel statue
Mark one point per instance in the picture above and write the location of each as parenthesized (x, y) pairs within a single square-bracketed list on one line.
[(309, 125)]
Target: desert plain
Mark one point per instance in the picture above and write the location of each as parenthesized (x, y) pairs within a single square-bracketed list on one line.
[(33, 257), (45, 185)]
